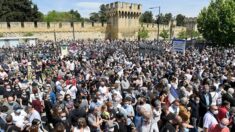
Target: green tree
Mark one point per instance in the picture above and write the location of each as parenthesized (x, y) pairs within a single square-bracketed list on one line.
[(180, 20), (143, 33), (216, 23), (94, 17), (28, 34), (55, 16), (182, 34), (75, 15), (164, 34), (165, 19), (1, 35), (19, 10), (147, 17), (102, 13)]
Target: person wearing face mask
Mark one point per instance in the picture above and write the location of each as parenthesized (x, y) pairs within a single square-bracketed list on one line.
[(82, 126), (10, 103), (194, 104), (19, 117), (205, 102), (221, 127), (94, 120), (63, 118), (174, 108), (229, 96), (8, 91), (60, 101), (157, 111), (210, 117), (24, 99)]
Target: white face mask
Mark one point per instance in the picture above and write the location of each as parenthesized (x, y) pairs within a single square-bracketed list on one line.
[(216, 112), (63, 118), (8, 89)]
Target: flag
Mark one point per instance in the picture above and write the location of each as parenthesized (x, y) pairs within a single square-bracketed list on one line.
[(173, 94)]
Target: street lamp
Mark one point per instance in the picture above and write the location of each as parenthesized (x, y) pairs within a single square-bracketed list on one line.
[(73, 27), (158, 21)]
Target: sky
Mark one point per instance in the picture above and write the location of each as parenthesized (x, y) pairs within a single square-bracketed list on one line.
[(189, 8)]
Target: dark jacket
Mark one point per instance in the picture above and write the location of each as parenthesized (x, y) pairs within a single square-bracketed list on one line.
[(229, 98), (194, 108), (203, 105)]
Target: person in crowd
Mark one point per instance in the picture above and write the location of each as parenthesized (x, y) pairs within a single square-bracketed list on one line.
[(224, 110), (81, 126), (210, 118), (117, 86), (221, 127), (10, 127), (229, 96)]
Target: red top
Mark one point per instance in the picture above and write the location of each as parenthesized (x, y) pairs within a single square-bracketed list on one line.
[(222, 113), (216, 128)]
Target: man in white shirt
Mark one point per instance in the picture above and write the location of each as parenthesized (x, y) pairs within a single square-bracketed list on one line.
[(209, 118), (19, 117), (103, 89)]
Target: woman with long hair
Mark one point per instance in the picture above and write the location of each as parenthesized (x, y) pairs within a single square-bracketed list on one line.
[(82, 126)]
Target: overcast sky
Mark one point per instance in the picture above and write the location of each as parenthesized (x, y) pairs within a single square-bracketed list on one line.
[(190, 8)]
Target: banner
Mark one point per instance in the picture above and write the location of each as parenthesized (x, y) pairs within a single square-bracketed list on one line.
[(178, 45), (64, 50)]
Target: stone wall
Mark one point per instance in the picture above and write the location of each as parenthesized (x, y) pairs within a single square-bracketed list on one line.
[(64, 30), (48, 31)]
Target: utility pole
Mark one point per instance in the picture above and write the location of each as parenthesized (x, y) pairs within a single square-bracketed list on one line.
[(73, 27), (158, 21)]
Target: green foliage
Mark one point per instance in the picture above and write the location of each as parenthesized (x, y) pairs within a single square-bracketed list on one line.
[(146, 17), (94, 17), (188, 34), (19, 10), (143, 33), (164, 34), (75, 15), (216, 23), (182, 34), (180, 20), (164, 19), (102, 13), (55, 16), (99, 16), (1, 35), (28, 34)]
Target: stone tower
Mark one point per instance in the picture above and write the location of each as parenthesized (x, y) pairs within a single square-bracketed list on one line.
[(123, 20)]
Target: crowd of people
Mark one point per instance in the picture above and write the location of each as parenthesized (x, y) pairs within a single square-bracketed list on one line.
[(114, 86)]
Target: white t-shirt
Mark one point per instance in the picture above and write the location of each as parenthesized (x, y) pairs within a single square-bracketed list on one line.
[(87, 129), (103, 90), (19, 119), (72, 91), (209, 120)]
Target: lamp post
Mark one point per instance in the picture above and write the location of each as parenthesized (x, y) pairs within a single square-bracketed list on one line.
[(158, 21), (73, 27)]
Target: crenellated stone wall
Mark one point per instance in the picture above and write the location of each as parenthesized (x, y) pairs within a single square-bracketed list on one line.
[(123, 23)]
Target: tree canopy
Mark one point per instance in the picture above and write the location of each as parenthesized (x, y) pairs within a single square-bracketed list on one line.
[(55, 16), (164, 34), (19, 10), (147, 17), (180, 20), (99, 16), (217, 22)]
